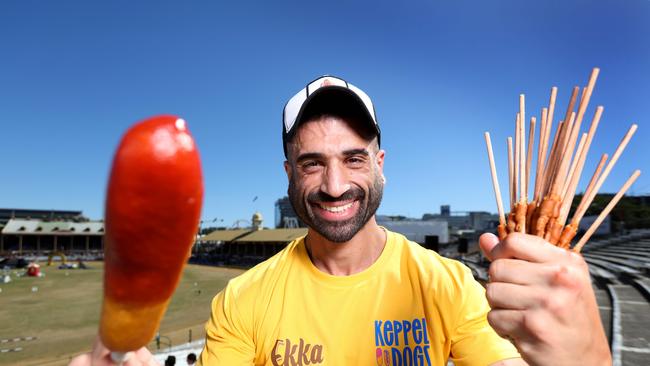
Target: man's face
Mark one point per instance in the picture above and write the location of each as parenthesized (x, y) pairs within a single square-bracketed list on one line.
[(335, 177)]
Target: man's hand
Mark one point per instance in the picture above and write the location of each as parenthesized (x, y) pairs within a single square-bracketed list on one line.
[(542, 299), (101, 356)]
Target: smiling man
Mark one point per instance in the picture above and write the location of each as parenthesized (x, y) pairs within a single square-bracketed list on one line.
[(350, 292), (353, 293)]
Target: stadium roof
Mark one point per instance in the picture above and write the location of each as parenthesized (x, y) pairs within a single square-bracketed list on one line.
[(273, 235), (224, 235), (39, 227), (255, 236)]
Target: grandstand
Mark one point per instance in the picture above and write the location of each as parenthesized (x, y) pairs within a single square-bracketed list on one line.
[(40, 237), (243, 247), (36, 232), (620, 272)]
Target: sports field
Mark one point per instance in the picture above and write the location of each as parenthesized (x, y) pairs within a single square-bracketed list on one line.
[(62, 311)]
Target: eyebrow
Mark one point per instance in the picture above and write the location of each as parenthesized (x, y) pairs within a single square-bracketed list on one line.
[(307, 156), (314, 155), (351, 152)]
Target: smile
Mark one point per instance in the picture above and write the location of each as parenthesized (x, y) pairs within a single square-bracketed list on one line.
[(336, 209)]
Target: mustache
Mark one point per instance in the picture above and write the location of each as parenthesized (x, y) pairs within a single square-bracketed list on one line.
[(351, 194)]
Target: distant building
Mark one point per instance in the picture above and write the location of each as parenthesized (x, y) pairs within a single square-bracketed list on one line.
[(25, 236), (285, 216), (465, 220), (415, 229), (28, 231), (445, 210)]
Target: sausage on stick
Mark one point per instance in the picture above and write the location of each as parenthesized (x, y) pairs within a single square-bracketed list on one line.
[(153, 207)]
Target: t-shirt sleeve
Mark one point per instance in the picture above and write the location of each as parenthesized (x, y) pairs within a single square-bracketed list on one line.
[(228, 338), (474, 342)]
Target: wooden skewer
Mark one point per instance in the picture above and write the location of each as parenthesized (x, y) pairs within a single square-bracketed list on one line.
[(516, 161), (532, 211), (511, 176), (562, 142), (543, 191), (522, 109), (568, 155), (571, 176), (121, 357), (495, 180), (553, 159), (586, 95), (522, 141), (568, 197), (564, 134), (541, 154), (588, 198), (569, 189), (564, 157), (574, 163), (520, 215), (565, 213), (529, 159), (551, 107), (594, 177), (553, 228), (606, 211), (523, 189), (546, 181), (572, 104)]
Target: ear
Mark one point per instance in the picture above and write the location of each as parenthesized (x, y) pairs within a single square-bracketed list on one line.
[(379, 157), (287, 169)]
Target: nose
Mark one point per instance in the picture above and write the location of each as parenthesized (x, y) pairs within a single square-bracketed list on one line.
[(335, 181)]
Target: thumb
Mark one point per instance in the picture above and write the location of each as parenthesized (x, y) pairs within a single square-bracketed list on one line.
[(487, 242)]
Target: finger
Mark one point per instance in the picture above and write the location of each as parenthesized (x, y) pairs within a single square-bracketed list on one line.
[(144, 357), (529, 248), (520, 272), (487, 242), (507, 296), (507, 323), (99, 350)]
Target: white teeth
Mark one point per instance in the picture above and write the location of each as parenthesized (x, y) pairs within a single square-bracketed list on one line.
[(336, 208)]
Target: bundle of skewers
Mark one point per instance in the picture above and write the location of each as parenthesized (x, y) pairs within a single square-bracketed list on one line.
[(557, 174)]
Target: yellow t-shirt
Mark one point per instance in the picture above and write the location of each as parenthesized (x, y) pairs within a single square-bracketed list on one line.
[(410, 307)]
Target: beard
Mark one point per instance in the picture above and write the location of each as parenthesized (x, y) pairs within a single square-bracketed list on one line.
[(337, 231)]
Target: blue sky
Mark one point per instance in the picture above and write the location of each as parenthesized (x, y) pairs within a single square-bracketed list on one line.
[(75, 74)]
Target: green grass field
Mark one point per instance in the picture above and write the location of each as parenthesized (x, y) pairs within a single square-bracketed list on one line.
[(64, 312)]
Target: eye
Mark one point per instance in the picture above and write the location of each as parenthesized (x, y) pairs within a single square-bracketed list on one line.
[(310, 165), (355, 161)]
